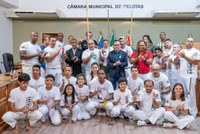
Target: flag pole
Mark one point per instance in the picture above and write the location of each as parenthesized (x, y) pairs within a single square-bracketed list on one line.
[(131, 29), (87, 20), (108, 20)]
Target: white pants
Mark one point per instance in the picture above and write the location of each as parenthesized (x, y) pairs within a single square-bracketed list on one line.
[(11, 117), (144, 76), (153, 117), (190, 93), (92, 106), (181, 121), (126, 110), (74, 111), (82, 112), (53, 114), (57, 73)]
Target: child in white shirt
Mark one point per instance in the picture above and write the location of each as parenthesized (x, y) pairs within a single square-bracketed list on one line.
[(49, 99)]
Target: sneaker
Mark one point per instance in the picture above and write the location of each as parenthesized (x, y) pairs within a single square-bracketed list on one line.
[(126, 118), (116, 118), (141, 123), (159, 122), (167, 125), (43, 119)]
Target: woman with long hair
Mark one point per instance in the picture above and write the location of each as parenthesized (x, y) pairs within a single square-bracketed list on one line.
[(177, 111)]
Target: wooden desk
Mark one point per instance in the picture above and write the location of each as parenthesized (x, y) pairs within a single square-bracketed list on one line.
[(7, 83)]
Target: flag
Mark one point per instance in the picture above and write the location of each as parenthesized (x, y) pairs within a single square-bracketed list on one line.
[(128, 40), (112, 39), (100, 41)]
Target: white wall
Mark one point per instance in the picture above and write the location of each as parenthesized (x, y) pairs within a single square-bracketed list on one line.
[(146, 12), (6, 36)]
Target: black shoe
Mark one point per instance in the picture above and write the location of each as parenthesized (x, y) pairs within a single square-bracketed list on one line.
[(126, 118), (116, 118)]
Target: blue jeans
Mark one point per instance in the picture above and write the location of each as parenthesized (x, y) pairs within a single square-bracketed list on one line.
[(115, 78)]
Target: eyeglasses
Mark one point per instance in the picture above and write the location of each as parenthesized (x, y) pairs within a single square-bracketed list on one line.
[(90, 43)]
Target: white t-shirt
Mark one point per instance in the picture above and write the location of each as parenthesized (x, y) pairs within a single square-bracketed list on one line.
[(56, 62), (69, 100), (105, 54), (52, 95), (129, 52), (175, 72), (173, 103), (36, 83), (71, 80), (126, 96), (94, 58), (188, 69), (23, 98), (59, 44), (89, 80), (135, 85), (104, 89), (31, 49), (67, 47), (161, 82), (146, 100), (83, 91)]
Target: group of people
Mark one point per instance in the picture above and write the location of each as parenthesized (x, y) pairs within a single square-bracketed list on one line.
[(155, 84)]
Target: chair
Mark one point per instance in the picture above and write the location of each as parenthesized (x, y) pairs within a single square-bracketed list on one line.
[(8, 62)]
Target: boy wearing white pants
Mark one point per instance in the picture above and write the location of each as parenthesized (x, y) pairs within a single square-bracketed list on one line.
[(101, 93), (49, 97), (23, 104), (148, 104), (122, 101)]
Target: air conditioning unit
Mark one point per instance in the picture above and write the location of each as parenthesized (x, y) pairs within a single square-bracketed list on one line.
[(37, 13), (175, 14)]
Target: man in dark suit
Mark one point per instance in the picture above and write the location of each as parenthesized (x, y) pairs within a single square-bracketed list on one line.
[(117, 61), (74, 58)]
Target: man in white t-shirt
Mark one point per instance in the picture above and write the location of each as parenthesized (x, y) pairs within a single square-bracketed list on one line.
[(135, 83), (90, 56), (161, 82), (189, 59), (23, 105), (103, 56), (148, 102), (53, 60), (30, 53), (49, 99), (129, 53), (36, 80), (101, 94)]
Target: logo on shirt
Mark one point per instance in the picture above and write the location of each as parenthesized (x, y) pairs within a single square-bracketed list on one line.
[(94, 56)]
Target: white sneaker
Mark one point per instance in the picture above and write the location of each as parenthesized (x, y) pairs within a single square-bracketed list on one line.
[(141, 123), (167, 125), (159, 122), (43, 119)]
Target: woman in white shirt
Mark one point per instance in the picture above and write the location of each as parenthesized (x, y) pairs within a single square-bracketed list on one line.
[(177, 111)]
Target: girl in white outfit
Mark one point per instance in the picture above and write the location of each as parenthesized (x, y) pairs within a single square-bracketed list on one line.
[(82, 92), (177, 111), (69, 102), (93, 74)]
